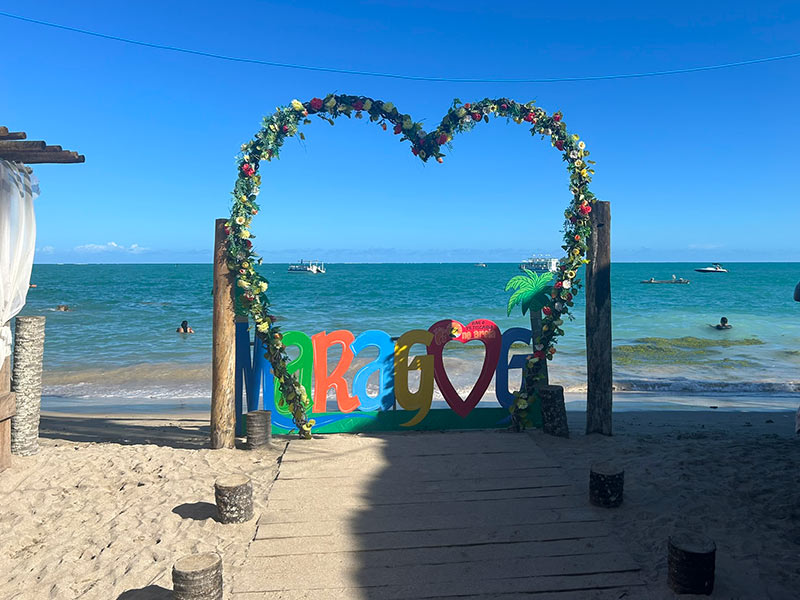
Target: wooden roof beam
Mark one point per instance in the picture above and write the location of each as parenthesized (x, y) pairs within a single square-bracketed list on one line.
[(42, 157), (17, 146), (12, 135)]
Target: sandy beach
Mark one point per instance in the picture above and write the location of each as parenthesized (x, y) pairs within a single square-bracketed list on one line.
[(110, 502)]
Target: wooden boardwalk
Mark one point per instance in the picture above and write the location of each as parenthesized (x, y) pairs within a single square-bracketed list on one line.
[(430, 515)]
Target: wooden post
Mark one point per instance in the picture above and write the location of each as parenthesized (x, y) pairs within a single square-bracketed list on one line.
[(598, 322), (691, 561), (223, 368), (554, 411), (234, 497), (28, 353), (197, 577), (606, 484), (7, 410)]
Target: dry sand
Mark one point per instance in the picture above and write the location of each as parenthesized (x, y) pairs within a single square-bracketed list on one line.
[(109, 503), (87, 519), (732, 476)]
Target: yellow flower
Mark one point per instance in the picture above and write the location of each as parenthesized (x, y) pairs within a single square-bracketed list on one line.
[(240, 220), (331, 103), (581, 145), (273, 127), (407, 124), (579, 163), (461, 112), (367, 104), (388, 107), (297, 105), (243, 198), (571, 274), (576, 137), (263, 327), (522, 404), (246, 157), (584, 172), (312, 422), (245, 265), (243, 284), (244, 233), (263, 286)]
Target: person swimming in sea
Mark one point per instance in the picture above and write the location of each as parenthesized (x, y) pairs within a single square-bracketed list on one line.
[(723, 324), (184, 328)]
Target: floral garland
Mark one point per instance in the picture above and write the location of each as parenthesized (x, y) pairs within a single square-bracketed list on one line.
[(461, 117)]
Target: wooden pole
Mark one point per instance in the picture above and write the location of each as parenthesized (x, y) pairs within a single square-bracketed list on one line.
[(598, 322), (7, 410), (223, 369)]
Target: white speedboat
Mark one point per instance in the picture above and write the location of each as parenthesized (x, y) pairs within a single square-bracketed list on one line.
[(308, 266), (715, 268), (539, 264), (480, 264)]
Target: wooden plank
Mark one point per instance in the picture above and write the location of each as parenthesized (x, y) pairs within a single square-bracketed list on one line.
[(223, 373), (8, 405), (384, 521), (5, 424), (598, 322), (461, 587), (23, 146), (401, 487), (560, 497), (273, 575), (42, 157), (444, 537), (13, 135), (448, 554)]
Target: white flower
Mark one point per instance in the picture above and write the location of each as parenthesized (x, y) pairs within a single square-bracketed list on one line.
[(573, 154), (539, 347), (566, 284), (581, 145)]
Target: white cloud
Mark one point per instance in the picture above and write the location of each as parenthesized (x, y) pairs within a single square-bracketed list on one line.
[(110, 247), (46, 250)]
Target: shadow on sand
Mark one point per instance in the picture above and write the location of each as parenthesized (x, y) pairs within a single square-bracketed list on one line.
[(127, 429)]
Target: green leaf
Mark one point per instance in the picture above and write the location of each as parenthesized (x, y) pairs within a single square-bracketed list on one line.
[(516, 282), (515, 299)]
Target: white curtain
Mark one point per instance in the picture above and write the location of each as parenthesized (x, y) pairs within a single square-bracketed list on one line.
[(18, 190)]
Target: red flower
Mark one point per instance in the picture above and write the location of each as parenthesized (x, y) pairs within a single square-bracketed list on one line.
[(468, 106), (585, 209), (439, 159), (398, 128), (560, 144), (315, 104), (557, 117), (577, 238), (539, 354), (477, 116), (569, 297), (255, 212), (528, 117), (358, 105), (285, 129), (248, 170), (384, 126), (504, 106), (558, 285), (547, 310), (227, 231), (248, 243), (442, 139)]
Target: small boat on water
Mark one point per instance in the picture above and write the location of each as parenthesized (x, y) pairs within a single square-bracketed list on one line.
[(715, 268), (539, 264), (480, 264), (673, 280), (308, 266)]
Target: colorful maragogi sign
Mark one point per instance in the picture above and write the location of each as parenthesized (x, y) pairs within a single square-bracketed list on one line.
[(395, 406)]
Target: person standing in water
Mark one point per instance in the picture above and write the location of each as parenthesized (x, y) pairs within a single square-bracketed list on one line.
[(184, 328), (723, 324)]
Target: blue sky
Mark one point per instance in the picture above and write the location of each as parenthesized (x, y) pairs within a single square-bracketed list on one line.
[(697, 167)]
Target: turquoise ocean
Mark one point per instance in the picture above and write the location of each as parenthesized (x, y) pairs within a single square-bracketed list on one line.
[(116, 348)]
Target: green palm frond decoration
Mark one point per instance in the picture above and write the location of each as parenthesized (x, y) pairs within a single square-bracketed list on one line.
[(530, 291)]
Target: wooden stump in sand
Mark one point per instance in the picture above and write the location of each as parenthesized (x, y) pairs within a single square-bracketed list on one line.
[(554, 412), (259, 429), (606, 482), (234, 495), (27, 384), (691, 561), (197, 577)]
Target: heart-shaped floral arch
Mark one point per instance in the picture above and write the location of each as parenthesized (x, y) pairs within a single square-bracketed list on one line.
[(286, 122)]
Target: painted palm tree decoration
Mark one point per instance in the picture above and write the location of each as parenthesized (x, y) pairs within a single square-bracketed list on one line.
[(531, 293)]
